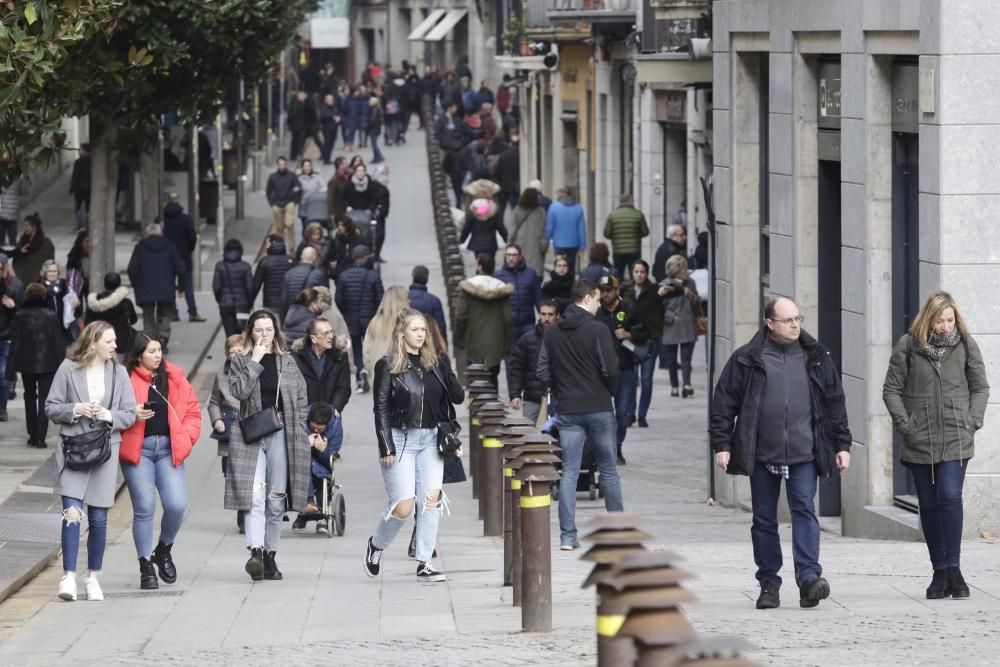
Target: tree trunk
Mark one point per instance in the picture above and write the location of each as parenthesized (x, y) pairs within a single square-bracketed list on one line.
[(103, 188), (150, 172)]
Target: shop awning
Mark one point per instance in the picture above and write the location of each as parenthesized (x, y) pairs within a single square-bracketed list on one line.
[(426, 25), (446, 25)]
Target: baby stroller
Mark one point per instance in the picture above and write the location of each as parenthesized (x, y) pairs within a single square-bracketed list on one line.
[(588, 481), (366, 221), (313, 209)]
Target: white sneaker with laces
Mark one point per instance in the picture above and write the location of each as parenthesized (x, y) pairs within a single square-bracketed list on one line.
[(67, 588), (94, 591)]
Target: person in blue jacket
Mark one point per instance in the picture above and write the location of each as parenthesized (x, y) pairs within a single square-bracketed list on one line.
[(565, 225), (326, 436), (424, 301), (355, 117)]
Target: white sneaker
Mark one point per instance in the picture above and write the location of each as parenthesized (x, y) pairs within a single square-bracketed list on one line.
[(67, 588), (94, 591)]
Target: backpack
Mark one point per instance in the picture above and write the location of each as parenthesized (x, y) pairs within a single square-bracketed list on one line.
[(392, 107)]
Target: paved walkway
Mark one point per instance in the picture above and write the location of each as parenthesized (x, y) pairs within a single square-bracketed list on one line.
[(327, 611)]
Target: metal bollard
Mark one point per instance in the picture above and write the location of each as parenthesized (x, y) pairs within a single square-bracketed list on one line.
[(536, 546), (491, 414), (528, 453), (639, 600), (480, 392), (491, 469), (615, 537), (515, 436), (708, 651)]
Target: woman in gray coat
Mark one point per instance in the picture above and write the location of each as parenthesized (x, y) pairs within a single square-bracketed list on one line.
[(679, 328), (936, 392), (264, 376), (89, 386), (527, 229)]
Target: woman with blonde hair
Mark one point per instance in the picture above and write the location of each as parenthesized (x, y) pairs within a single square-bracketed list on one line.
[(269, 466), (90, 392), (936, 392), (414, 386), (378, 335)]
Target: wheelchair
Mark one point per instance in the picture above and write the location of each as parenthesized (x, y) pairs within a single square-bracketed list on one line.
[(332, 507)]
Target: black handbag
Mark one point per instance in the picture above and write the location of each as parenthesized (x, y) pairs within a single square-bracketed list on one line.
[(448, 440), (454, 471), (92, 448), (229, 415), (266, 422)]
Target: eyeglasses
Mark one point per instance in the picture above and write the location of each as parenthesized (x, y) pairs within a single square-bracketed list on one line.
[(798, 319)]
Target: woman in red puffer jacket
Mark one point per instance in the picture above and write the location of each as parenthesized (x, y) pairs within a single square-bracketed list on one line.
[(168, 424)]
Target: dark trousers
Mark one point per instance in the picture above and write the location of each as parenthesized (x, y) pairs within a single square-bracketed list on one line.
[(376, 153), (800, 487), (299, 142), (625, 261), (379, 238), (8, 231), (670, 355), (624, 401), (329, 141), (185, 283), (36, 390), (646, 370), (507, 200), (570, 254), (230, 324), (357, 349), (939, 493), (156, 320)]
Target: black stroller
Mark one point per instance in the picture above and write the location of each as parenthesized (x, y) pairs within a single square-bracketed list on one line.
[(588, 481)]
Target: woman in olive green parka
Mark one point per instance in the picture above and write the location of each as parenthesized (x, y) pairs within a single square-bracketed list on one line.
[(936, 392)]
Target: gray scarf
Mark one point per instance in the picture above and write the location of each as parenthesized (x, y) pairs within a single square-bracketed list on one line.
[(937, 345)]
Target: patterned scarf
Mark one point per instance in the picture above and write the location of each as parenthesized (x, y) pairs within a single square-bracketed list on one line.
[(937, 345)]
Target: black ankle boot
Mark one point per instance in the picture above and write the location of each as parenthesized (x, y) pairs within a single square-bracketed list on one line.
[(956, 584), (147, 575), (939, 585), (255, 564), (271, 571), (164, 563)]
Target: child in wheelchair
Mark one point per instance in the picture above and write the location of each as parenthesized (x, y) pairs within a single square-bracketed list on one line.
[(326, 436)]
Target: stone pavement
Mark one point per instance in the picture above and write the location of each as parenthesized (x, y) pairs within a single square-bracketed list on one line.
[(327, 611)]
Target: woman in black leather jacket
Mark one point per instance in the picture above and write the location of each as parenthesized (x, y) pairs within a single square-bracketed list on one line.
[(413, 386)]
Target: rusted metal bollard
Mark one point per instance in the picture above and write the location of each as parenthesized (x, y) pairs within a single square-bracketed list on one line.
[(514, 429), (639, 598), (615, 536), (536, 546), (480, 392), (542, 448), (491, 469), (490, 414)]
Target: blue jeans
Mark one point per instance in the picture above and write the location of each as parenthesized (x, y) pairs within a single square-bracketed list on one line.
[(154, 473), (376, 153), (624, 401), (267, 502), (4, 386), (646, 370), (800, 489), (97, 535), (599, 429), (418, 470), (939, 493), (185, 283)]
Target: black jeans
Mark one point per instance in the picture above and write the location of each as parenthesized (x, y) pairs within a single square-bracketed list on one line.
[(939, 494), (230, 324), (8, 231), (36, 390), (670, 352), (625, 261), (329, 141)]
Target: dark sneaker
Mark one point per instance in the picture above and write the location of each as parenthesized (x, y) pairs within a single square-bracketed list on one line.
[(939, 586), (3, 415), (956, 584), (255, 565), (768, 598), (569, 546), (812, 591), (322, 528), (239, 522), (643, 423), (427, 574), (631, 420), (299, 523), (621, 459), (147, 575), (373, 559), (364, 382), (196, 318)]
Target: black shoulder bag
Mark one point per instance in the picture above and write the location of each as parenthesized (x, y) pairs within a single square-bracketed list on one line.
[(92, 448), (448, 429), (258, 426)]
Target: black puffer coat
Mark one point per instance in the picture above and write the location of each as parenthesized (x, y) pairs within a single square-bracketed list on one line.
[(39, 345), (232, 282), (296, 322), (302, 276), (399, 399), (359, 292), (270, 276), (116, 309), (154, 269), (523, 361)]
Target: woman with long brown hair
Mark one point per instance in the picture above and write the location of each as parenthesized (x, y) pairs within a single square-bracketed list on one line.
[(413, 388), (936, 392)]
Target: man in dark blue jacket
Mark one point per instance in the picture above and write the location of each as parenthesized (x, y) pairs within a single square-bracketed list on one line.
[(527, 292), (154, 269), (424, 301), (179, 229), (359, 292)]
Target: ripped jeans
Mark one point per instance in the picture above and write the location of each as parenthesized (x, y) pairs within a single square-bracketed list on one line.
[(97, 535), (418, 470), (267, 504)]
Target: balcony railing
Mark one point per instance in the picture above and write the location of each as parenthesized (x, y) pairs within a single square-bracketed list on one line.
[(592, 11)]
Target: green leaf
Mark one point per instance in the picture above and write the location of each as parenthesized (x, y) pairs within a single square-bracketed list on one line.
[(29, 13)]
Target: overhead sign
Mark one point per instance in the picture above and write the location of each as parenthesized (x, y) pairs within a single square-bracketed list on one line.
[(330, 33)]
